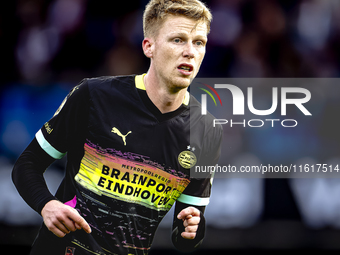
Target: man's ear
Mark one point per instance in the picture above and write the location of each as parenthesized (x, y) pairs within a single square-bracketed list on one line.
[(148, 46)]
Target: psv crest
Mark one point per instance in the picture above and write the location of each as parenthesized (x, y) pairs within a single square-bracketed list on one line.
[(187, 158)]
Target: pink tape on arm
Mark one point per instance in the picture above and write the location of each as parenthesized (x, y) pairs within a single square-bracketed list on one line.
[(72, 202)]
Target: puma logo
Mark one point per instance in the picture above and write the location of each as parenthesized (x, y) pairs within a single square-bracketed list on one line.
[(116, 131)]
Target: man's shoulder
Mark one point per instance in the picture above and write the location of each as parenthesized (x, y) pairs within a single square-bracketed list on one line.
[(104, 81), (112, 89)]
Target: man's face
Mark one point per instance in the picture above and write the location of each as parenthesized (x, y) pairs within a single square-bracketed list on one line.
[(178, 51)]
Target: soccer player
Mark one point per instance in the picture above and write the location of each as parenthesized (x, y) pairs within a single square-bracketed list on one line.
[(130, 144)]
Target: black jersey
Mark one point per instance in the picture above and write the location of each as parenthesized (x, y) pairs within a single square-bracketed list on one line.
[(126, 163)]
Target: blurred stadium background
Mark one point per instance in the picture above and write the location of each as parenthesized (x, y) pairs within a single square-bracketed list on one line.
[(48, 46)]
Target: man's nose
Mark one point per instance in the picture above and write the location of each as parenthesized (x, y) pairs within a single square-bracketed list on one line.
[(189, 51)]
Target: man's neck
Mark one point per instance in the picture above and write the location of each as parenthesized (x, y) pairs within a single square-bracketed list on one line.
[(164, 99)]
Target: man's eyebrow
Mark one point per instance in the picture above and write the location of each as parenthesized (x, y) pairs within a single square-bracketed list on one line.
[(181, 34)]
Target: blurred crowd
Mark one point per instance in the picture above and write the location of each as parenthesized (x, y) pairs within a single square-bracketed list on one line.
[(64, 40), (48, 46)]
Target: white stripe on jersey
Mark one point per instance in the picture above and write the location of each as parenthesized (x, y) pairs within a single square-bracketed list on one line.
[(191, 200), (47, 147)]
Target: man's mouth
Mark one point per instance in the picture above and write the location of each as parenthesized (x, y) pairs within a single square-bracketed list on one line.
[(185, 67)]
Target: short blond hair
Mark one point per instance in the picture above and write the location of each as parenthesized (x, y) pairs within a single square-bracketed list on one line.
[(156, 12)]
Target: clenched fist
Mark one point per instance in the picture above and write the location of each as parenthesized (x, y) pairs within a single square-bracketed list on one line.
[(191, 219), (61, 219)]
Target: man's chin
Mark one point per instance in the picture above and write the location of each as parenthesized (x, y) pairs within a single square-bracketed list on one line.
[(182, 82)]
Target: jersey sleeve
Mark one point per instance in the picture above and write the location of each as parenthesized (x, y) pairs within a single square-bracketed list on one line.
[(199, 189), (28, 176), (59, 133)]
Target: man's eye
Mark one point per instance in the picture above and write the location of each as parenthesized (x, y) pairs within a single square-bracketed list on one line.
[(199, 43), (177, 40)]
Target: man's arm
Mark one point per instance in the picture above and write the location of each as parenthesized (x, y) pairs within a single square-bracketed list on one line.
[(28, 178), (188, 227)]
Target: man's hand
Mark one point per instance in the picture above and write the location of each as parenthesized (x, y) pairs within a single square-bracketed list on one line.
[(61, 219), (191, 219)]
